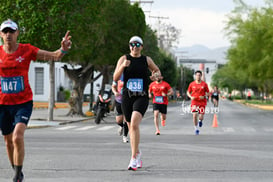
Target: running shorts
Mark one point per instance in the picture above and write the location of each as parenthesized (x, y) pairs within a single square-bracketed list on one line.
[(10, 115), (118, 109), (134, 103), (162, 108), (198, 108)]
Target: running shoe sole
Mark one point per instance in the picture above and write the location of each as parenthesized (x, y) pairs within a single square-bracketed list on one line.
[(132, 165), (132, 168), (196, 132)]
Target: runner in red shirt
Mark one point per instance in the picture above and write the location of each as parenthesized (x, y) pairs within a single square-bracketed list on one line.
[(15, 92), (117, 88), (160, 90), (198, 92)]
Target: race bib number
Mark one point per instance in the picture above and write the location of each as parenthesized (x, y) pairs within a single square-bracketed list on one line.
[(135, 84), (215, 94), (11, 85), (159, 99)]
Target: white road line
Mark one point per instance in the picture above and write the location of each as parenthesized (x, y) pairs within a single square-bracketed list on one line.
[(105, 128), (66, 128), (249, 129), (85, 128), (228, 129), (268, 129)]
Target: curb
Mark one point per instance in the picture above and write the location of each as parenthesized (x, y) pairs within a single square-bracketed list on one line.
[(263, 107), (60, 123)]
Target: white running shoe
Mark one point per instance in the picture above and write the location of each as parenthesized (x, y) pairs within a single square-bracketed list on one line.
[(120, 131), (125, 139), (139, 161), (133, 164)]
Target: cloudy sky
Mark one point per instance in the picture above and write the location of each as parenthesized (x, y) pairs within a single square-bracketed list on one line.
[(200, 21)]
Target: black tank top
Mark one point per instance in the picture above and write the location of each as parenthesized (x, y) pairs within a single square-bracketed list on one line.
[(136, 76)]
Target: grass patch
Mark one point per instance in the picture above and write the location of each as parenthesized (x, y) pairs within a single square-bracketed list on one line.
[(260, 102)]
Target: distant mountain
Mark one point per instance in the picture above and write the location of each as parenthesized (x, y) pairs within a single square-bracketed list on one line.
[(203, 52)]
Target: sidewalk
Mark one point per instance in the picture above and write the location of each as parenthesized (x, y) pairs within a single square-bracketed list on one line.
[(39, 117)]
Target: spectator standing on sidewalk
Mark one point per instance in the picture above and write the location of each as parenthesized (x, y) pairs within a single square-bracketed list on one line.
[(15, 92)]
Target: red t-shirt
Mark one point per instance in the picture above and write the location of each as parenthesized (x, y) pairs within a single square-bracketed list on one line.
[(157, 89), (14, 85), (119, 89), (196, 90)]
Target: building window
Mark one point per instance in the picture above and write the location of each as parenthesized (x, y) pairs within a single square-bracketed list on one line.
[(39, 81)]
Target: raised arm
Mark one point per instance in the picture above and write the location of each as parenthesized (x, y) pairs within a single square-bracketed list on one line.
[(58, 54), (153, 68), (122, 63)]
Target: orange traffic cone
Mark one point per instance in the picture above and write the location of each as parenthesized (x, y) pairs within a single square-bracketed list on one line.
[(214, 122)]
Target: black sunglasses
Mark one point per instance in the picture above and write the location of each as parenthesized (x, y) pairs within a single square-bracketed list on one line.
[(135, 44), (6, 30)]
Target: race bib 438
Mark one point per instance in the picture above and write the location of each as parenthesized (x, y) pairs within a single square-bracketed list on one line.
[(11, 85)]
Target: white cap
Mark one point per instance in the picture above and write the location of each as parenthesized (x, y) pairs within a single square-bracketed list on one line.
[(9, 24), (136, 39)]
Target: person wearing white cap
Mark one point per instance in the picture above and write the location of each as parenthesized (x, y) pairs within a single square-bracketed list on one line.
[(135, 100), (15, 92)]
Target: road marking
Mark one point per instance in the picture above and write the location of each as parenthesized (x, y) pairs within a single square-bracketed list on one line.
[(228, 129), (268, 129), (66, 127), (249, 129), (85, 128), (212, 150), (105, 128)]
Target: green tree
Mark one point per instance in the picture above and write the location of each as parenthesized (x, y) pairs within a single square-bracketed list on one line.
[(150, 45), (250, 55), (168, 69), (165, 62), (100, 30), (120, 22)]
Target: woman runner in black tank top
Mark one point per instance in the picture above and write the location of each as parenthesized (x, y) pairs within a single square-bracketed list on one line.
[(136, 81), (135, 92)]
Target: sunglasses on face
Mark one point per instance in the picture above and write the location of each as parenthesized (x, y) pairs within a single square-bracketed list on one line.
[(135, 44), (6, 30)]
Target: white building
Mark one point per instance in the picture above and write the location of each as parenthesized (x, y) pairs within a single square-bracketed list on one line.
[(210, 67), (39, 81)]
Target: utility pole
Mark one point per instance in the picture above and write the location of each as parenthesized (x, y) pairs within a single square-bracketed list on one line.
[(159, 35), (142, 2)]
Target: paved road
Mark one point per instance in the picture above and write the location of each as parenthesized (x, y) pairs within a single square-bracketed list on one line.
[(239, 149)]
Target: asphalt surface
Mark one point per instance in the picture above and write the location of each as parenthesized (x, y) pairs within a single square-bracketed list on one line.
[(238, 149)]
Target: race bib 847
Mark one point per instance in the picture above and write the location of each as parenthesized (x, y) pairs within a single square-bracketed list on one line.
[(11, 85)]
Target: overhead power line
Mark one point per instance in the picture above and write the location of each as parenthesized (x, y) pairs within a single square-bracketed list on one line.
[(139, 1)]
